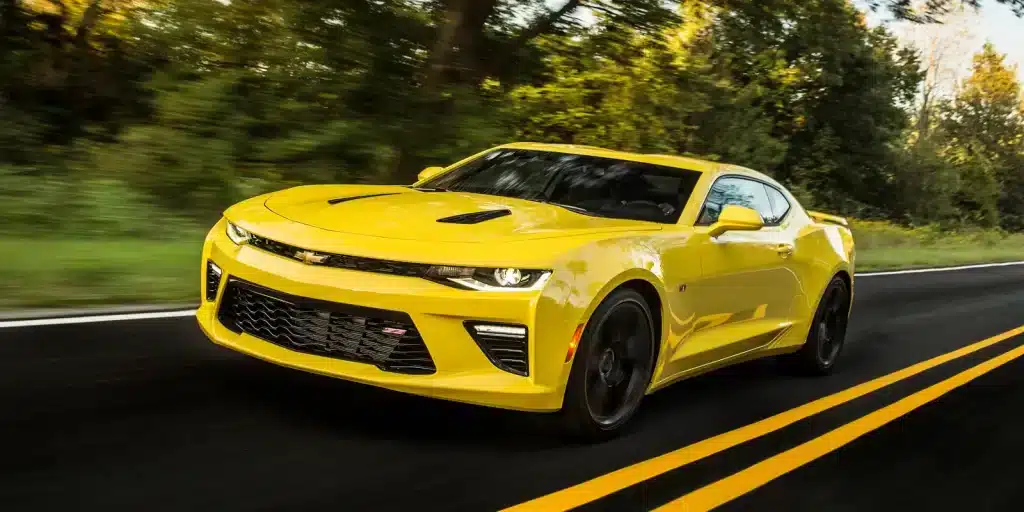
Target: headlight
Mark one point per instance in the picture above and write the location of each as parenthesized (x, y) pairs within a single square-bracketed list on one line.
[(491, 279), (238, 235)]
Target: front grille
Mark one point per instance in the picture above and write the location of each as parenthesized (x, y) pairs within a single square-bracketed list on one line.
[(386, 339), (398, 268), (508, 352), (213, 275)]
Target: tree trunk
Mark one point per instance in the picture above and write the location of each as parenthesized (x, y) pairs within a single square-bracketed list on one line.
[(459, 31), (440, 58), (89, 20), (455, 58)]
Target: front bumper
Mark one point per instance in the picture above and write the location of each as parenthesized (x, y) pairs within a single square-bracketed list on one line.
[(464, 373)]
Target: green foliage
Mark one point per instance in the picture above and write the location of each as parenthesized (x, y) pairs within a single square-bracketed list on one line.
[(983, 129), (147, 107), (883, 245), (95, 208)]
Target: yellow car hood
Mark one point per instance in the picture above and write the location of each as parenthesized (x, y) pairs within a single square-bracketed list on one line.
[(402, 213)]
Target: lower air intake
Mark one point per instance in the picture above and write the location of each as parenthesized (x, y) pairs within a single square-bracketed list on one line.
[(506, 345), (213, 275), (386, 339)]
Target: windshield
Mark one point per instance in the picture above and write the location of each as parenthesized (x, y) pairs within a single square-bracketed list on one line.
[(590, 185)]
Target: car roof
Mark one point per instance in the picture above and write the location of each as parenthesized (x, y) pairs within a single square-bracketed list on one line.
[(680, 162)]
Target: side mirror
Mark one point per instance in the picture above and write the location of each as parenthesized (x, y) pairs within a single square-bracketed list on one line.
[(736, 218), (429, 172)]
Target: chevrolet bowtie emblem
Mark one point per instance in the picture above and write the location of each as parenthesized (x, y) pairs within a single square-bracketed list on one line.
[(310, 257)]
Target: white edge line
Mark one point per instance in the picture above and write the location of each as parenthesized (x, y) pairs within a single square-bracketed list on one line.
[(39, 322), (938, 269)]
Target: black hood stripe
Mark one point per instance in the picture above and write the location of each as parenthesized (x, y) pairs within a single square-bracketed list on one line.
[(475, 217)]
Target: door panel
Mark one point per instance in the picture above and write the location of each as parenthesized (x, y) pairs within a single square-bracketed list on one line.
[(745, 293)]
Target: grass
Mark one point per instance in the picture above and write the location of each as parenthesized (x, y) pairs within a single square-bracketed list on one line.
[(44, 273), (60, 272), (885, 246)]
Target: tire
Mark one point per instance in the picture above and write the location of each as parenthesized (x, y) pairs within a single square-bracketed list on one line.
[(611, 370), (827, 335)]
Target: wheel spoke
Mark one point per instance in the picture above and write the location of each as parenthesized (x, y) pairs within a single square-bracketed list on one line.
[(836, 305), (627, 350), (622, 329), (594, 359), (593, 377), (618, 375), (599, 397), (635, 343), (618, 393), (632, 323)]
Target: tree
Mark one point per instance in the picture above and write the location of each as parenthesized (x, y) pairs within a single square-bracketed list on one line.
[(836, 92), (477, 40), (984, 128), (637, 91), (67, 65), (943, 47), (198, 103), (933, 11)]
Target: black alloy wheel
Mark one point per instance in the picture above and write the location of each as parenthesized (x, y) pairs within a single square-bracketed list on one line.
[(612, 367), (831, 327), (827, 334)]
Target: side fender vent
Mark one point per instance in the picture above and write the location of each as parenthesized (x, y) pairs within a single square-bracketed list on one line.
[(475, 217)]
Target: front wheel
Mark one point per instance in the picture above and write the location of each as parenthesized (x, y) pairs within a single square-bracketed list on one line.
[(612, 368), (827, 335)]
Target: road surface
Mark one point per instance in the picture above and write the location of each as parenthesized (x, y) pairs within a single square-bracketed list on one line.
[(148, 415)]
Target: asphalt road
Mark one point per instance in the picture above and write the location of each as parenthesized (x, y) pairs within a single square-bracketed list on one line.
[(148, 415)]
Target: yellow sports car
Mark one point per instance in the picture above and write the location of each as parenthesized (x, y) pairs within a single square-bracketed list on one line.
[(536, 277)]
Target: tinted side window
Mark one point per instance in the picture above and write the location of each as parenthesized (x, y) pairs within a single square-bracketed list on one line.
[(780, 205), (737, 191)]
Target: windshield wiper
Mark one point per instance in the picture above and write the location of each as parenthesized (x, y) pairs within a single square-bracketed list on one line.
[(571, 207), (577, 209), (430, 189)]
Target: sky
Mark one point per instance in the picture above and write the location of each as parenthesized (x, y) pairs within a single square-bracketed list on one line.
[(994, 22)]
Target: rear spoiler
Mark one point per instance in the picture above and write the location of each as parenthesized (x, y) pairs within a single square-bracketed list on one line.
[(829, 219)]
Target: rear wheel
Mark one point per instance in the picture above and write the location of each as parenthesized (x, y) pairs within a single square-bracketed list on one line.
[(827, 335), (612, 368)]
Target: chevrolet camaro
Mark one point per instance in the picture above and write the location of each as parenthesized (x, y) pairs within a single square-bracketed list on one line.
[(536, 277)]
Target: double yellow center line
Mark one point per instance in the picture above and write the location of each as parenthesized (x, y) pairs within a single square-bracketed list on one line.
[(759, 474)]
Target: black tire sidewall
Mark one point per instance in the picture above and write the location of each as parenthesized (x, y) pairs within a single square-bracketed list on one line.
[(575, 412), (807, 360)]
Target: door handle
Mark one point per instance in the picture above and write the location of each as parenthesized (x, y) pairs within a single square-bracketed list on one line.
[(784, 250)]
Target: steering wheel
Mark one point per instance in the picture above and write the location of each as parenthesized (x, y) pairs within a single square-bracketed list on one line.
[(665, 208)]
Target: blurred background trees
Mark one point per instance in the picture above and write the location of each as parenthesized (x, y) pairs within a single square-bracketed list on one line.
[(117, 112)]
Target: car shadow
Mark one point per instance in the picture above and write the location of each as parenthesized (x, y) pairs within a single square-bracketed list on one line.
[(351, 410), (360, 411)]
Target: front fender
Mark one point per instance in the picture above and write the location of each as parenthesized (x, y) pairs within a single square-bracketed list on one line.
[(580, 281)]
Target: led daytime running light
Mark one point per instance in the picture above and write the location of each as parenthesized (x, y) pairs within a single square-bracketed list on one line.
[(501, 330)]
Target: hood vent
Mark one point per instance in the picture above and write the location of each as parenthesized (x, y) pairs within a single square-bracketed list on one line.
[(344, 199), (475, 217)]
